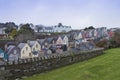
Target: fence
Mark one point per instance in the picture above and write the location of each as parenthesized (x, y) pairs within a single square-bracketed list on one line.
[(28, 67)]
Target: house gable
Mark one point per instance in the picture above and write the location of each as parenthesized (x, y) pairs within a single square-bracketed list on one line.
[(25, 51), (36, 47), (65, 40), (79, 35), (59, 40)]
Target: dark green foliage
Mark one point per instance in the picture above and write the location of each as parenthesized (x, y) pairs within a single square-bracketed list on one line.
[(25, 29), (115, 40), (25, 33), (60, 24), (116, 37), (90, 27), (39, 27), (103, 43), (9, 27)]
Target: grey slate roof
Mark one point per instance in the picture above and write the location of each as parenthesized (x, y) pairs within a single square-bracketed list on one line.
[(62, 36), (41, 41), (21, 45), (31, 43), (49, 40), (10, 47), (55, 38)]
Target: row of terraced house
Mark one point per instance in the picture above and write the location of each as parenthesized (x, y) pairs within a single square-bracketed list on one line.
[(61, 44)]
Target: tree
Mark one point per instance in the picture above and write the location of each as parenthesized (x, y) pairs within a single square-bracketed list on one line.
[(39, 27), (9, 27), (8, 30), (25, 33), (91, 27), (13, 33), (60, 24), (25, 29), (116, 37), (103, 43), (88, 28)]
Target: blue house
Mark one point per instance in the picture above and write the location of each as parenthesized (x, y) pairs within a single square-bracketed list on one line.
[(3, 55)]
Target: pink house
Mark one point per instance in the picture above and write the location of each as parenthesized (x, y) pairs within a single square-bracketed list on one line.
[(111, 33), (59, 41)]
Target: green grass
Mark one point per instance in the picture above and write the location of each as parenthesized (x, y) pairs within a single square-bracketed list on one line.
[(104, 67)]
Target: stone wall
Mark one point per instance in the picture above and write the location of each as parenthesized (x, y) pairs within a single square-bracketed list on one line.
[(29, 67)]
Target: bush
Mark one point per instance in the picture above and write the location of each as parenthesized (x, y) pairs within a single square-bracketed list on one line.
[(103, 43)]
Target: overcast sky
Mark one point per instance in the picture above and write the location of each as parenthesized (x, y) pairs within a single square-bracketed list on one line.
[(76, 13)]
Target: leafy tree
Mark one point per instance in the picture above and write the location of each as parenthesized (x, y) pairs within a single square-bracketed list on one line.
[(60, 24), (13, 33), (86, 28), (90, 27), (103, 43), (9, 27), (25, 33), (8, 30), (25, 29), (116, 37), (39, 27)]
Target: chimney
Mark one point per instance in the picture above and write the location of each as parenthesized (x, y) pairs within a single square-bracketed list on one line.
[(5, 47), (28, 41)]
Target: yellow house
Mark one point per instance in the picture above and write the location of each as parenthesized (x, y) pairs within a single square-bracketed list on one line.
[(35, 48), (25, 51)]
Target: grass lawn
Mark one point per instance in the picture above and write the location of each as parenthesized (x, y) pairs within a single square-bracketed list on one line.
[(104, 67)]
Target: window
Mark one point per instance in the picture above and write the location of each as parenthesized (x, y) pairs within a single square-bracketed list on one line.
[(33, 49), (2, 55), (30, 54), (23, 52), (11, 57), (15, 51), (26, 48), (36, 46)]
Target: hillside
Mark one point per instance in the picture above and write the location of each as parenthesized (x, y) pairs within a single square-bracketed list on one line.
[(105, 67)]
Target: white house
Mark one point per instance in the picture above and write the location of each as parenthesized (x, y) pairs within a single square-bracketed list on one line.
[(95, 33), (48, 29), (42, 28), (25, 51), (2, 30), (65, 40), (61, 28), (79, 36)]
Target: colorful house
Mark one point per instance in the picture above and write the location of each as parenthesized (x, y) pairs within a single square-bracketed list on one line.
[(2, 53), (59, 41), (35, 48), (41, 42), (65, 40), (25, 51), (95, 33), (111, 33), (13, 53), (49, 42)]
